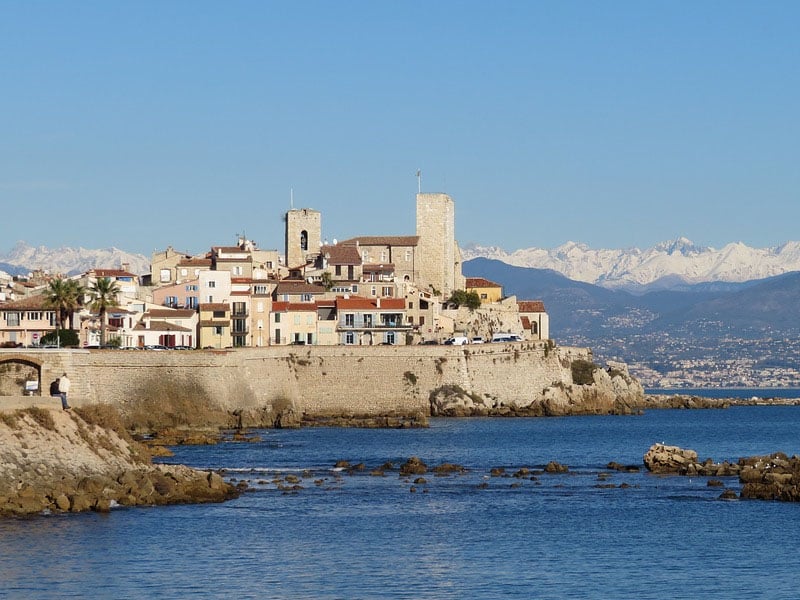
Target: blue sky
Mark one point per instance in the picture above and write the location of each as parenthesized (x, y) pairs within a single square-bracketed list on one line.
[(616, 124)]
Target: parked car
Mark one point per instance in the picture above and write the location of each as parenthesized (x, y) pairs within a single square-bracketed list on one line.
[(477, 340), (429, 343), (457, 340)]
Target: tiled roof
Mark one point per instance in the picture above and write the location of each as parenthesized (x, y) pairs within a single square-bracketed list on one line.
[(195, 262), (298, 287), (526, 322), (531, 306), (175, 313), (341, 254), (30, 303), (480, 282), (112, 273), (360, 303), (294, 307), (384, 240), (160, 326), (382, 268), (215, 306)]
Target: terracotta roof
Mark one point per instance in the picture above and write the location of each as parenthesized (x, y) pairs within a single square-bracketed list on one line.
[(215, 306), (526, 322), (160, 326), (531, 306), (361, 303), (195, 262), (480, 282), (382, 268), (298, 287), (384, 240), (112, 273), (30, 303), (341, 254), (294, 306), (175, 313)]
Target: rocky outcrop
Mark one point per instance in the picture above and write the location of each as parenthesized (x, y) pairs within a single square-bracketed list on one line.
[(57, 461), (674, 460), (773, 477), (612, 390)]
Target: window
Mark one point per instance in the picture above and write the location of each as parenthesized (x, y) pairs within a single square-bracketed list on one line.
[(196, 272), (277, 317), (191, 302), (422, 319), (408, 255), (390, 339), (212, 283), (304, 240), (355, 289), (364, 256), (211, 298), (165, 275), (184, 272), (484, 296), (268, 264), (277, 336), (367, 320), (410, 306), (260, 307), (338, 270), (374, 291), (306, 298), (350, 338), (384, 256), (349, 320), (219, 314), (237, 270), (387, 291), (34, 316), (12, 319), (240, 308), (218, 330), (260, 289)]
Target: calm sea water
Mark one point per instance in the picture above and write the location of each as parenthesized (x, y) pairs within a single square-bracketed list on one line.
[(360, 536)]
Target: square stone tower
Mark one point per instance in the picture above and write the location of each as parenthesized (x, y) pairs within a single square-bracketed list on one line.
[(303, 235), (440, 258)]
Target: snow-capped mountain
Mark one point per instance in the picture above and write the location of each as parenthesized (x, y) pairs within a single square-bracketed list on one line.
[(73, 260), (669, 265)]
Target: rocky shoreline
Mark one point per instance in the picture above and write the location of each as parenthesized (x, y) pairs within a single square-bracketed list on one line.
[(54, 461), (772, 477)]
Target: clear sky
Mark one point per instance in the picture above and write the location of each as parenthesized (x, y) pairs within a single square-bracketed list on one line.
[(616, 124)]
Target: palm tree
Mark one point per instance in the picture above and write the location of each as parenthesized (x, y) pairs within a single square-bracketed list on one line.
[(75, 293), (103, 294), (57, 297)]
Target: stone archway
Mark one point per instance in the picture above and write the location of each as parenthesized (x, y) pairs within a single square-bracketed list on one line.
[(15, 371)]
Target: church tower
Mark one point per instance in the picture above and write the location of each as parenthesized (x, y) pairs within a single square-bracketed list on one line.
[(440, 257), (303, 235)]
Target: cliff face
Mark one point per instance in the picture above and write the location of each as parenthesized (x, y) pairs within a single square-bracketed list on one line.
[(52, 460)]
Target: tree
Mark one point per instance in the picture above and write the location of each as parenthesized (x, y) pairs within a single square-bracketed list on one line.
[(463, 298), (103, 293), (64, 296), (326, 280)]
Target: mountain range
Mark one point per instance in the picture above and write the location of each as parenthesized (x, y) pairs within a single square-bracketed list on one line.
[(745, 334), (674, 265), (24, 258)]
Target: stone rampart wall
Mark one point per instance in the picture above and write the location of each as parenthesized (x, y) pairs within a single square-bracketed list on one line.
[(317, 380)]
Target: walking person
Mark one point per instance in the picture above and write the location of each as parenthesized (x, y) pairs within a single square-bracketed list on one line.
[(63, 390)]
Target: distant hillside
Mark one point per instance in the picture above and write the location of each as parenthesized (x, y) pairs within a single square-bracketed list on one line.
[(24, 258), (751, 328), (674, 265)]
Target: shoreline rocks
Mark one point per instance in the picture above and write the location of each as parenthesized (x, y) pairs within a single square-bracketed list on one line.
[(58, 461), (772, 477)]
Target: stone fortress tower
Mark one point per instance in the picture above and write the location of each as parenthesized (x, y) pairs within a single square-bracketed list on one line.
[(303, 235), (439, 256)]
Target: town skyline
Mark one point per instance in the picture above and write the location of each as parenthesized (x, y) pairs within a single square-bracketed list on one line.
[(618, 126)]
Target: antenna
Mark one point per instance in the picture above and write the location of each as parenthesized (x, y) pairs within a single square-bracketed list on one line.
[(419, 181), (291, 198)]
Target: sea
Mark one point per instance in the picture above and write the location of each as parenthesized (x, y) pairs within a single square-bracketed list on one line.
[(495, 530)]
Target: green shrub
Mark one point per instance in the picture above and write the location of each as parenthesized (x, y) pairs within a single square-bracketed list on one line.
[(582, 371), (62, 337)]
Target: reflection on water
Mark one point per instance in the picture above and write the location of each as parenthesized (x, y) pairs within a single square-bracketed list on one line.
[(360, 536)]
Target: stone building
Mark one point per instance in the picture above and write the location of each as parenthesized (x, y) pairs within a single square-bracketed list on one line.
[(439, 260), (303, 236)]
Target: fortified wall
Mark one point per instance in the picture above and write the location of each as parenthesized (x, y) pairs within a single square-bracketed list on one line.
[(315, 381)]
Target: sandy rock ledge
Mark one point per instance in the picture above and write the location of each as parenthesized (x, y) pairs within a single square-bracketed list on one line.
[(57, 461)]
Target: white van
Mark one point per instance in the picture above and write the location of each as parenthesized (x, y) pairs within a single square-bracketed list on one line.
[(457, 340), (506, 337)]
